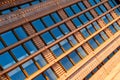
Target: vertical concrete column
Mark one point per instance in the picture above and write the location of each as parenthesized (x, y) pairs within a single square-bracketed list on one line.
[(38, 42)]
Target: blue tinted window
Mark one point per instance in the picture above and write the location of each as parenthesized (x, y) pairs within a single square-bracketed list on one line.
[(40, 77), (112, 29), (16, 74), (24, 5), (9, 38), (75, 57), (20, 33), (96, 25), (64, 29), (14, 8), (6, 60), (72, 40), (19, 53), (99, 39), (57, 33), (109, 17), (35, 2), (83, 18), (41, 61), (66, 63), (105, 19), (90, 17), (47, 38), (50, 74), (99, 12), (48, 21), (38, 25), (103, 8), (75, 8), (1, 45), (56, 50), (30, 46), (116, 26), (77, 22), (30, 67), (91, 28), (81, 5), (104, 35), (97, 1), (69, 11), (84, 32), (93, 44), (6, 11), (117, 11), (56, 17), (92, 2), (65, 44), (81, 52), (111, 3)]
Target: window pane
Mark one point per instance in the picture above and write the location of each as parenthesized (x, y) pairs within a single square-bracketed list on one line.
[(47, 38), (56, 17), (16, 74), (93, 44), (24, 6), (38, 25), (81, 5), (30, 67), (116, 26), (1, 45), (56, 50), (50, 74), (30, 46), (6, 60), (84, 32), (9, 38), (112, 29), (65, 45), (104, 35), (91, 28), (40, 77), (57, 33), (99, 39), (89, 15), (96, 25), (99, 12), (64, 29), (103, 8), (74, 56), (105, 19), (72, 40), (20, 33), (76, 22), (92, 2), (75, 8), (48, 21), (41, 61), (82, 52), (19, 53), (6, 11), (66, 63), (83, 18), (69, 11)]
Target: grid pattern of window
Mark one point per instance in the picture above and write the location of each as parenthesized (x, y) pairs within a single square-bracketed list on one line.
[(101, 64), (22, 6), (51, 29)]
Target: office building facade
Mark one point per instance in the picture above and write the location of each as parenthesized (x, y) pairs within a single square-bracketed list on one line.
[(59, 39)]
